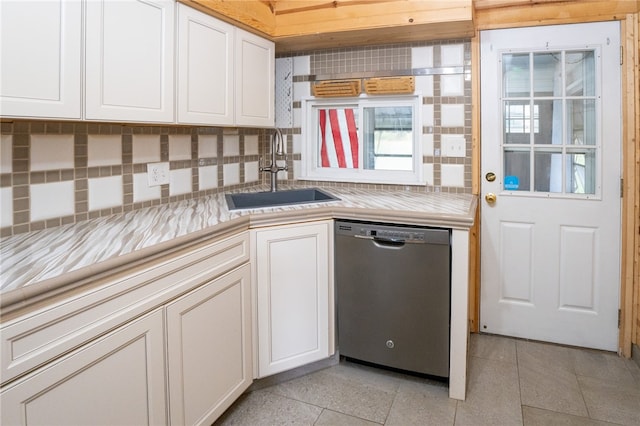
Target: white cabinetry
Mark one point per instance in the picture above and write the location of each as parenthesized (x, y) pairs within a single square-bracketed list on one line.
[(99, 356), (293, 280), (209, 348), (103, 382), (255, 80), (226, 76), (205, 68), (40, 48), (129, 60)]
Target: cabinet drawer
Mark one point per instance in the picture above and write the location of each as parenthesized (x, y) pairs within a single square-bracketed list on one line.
[(34, 339)]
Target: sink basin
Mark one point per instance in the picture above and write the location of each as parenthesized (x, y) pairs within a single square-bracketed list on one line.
[(256, 200)]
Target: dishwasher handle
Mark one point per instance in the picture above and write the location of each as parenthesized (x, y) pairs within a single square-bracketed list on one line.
[(388, 243)]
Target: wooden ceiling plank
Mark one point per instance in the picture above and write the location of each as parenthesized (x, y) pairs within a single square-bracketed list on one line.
[(254, 15), (372, 16), (552, 13)]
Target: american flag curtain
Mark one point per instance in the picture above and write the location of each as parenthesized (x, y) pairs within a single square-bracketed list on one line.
[(339, 138)]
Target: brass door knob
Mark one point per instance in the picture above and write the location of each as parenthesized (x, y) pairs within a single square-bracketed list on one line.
[(490, 197)]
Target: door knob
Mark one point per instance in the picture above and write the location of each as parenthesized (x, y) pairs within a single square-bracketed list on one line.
[(490, 197)]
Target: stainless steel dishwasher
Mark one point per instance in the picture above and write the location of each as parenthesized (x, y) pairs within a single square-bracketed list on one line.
[(393, 295)]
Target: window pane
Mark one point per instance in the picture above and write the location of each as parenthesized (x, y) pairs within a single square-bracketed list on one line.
[(580, 69), (548, 122), (581, 176), (515, 71), (517, 122), (338, 136), (547, 171), (517, 167), (388, 138), (547, 74), (581, 122)]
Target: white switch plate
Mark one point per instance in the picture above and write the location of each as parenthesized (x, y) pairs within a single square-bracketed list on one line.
[(158, 173), (453, 146)]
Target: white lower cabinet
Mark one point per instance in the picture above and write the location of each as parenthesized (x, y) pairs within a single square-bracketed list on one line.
[(119, 379), (209, 348), (292, 277)]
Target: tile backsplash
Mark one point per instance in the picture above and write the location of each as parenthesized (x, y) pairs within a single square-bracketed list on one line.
[(442, 73), (54, 173)]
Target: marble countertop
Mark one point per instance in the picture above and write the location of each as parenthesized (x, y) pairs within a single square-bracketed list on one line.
[(34, 262)]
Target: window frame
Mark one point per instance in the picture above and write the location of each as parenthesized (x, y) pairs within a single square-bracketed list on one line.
[(310, 169)]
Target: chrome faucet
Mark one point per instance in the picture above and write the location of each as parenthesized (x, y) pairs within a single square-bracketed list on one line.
[(277, 150)]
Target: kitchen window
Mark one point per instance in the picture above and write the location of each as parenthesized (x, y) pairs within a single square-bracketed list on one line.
[(366, 139)]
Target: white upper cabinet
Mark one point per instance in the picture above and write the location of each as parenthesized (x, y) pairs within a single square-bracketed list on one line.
[(205, 69), (226, 76), (255, 80), (129, 70), (40, 48)]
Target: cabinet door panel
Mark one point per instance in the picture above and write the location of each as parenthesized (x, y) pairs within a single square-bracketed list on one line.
[(40, 47), (294, 296), (255, 80), (209, 355), (129, 60), (117, 380), (205, 68)]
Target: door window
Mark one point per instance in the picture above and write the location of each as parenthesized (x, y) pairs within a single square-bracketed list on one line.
[(549, 109)]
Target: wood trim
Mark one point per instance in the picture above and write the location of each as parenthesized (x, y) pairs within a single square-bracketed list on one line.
[(474, 233), (632, 114), (536, 14), (630, 283)]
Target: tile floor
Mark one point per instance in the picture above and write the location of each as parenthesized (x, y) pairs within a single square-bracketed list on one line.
[(510, 382)]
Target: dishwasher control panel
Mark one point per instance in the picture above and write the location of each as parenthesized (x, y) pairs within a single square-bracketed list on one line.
[(392, 232)]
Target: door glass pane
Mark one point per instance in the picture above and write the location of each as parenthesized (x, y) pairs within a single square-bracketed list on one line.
[(547, 122), (581, 122), (547, 74), (516, 75), (547, 171), (517, 122), (580, 71), (581, 176), (388, 138), (338, 136), (517, 167)]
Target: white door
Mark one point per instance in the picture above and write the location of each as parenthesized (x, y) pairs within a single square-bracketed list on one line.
[(550, 242)]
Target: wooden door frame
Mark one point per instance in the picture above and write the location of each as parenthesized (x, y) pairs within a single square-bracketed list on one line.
[(629, 330)]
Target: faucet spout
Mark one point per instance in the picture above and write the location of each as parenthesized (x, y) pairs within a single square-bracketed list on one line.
[(277, 150)]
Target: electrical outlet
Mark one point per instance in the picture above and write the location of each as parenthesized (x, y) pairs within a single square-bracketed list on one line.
[(453, 146), (157, 174)]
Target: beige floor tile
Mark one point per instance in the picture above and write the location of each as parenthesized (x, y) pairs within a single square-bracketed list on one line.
[(363, 393), (538, 417), (553, 389), (609, 401), (265, 408), (332, 418), (547, 354), (602, 365), (494, 347), (422, 403), (493, 395)]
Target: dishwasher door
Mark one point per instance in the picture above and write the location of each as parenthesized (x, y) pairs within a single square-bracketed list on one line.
[(393, 295)]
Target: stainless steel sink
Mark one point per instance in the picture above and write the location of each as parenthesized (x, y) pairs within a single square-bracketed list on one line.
[(256, 200)]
